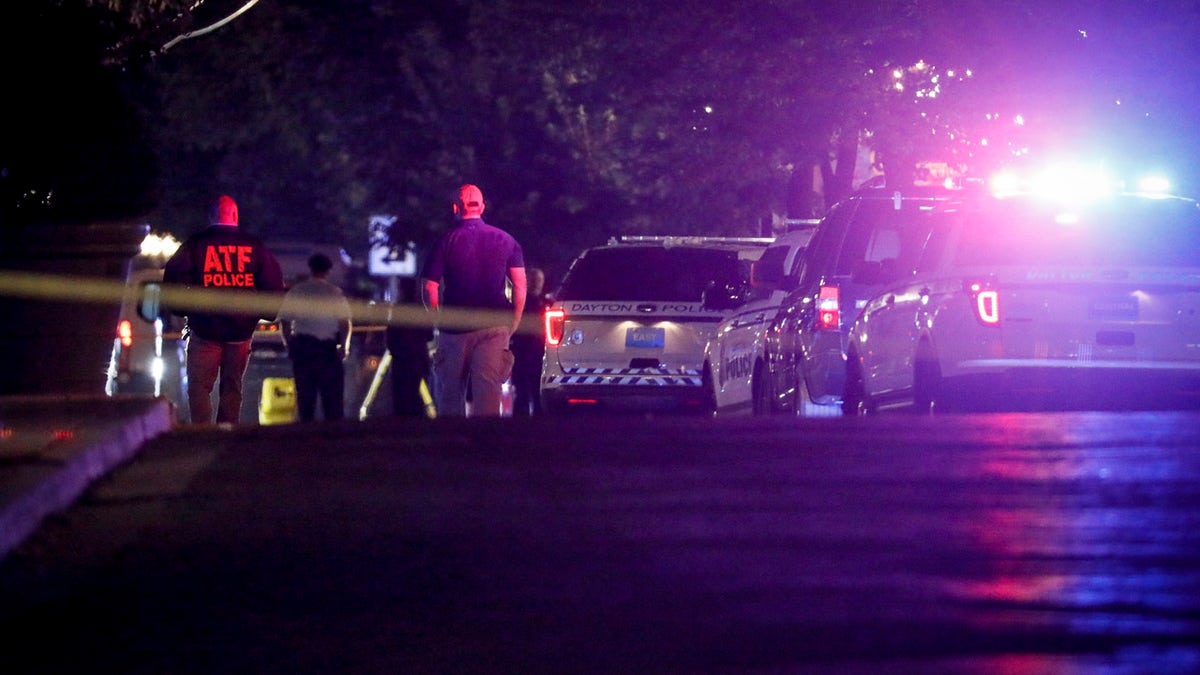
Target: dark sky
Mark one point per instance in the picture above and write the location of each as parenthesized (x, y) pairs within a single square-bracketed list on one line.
[(1115, 80)]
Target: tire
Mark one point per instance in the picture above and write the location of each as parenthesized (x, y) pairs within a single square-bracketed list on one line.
[(762, 392), (136, 383), (854, 398), (927, 383), (551, 403), (710, 392)]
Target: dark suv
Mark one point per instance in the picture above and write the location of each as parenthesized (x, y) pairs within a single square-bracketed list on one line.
[(863, 243)]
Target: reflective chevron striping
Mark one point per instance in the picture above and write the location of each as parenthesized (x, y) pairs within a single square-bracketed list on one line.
[(654, 377)]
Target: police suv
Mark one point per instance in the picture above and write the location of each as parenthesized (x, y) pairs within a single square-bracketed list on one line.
[(1020, 302), (627, 328), (148, 353), (735, 358)]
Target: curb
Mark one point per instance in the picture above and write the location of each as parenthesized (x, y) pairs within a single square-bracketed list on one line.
[(52, 448)]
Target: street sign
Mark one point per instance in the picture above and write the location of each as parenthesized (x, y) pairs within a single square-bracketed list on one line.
[(385, 257)]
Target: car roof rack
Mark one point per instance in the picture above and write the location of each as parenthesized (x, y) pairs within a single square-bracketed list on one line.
[(688, 240)]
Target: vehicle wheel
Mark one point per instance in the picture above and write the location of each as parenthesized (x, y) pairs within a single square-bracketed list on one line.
[(927, 383), (710, 391), (551, 404), (135, 383), (854, 399), (762, 392)]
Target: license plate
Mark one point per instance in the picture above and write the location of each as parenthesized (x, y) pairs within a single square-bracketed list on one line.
[(1121, 308), (643, 336)]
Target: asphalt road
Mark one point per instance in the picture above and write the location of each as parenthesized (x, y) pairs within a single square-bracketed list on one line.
[(976, 544)]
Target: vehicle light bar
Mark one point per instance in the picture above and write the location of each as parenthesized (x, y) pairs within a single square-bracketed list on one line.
[(555, 320), (689, 240), (1074, 183), (1154, 184), (829, 315)]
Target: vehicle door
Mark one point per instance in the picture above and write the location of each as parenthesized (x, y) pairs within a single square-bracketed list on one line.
[(880, 249), (893, 319), (739, 337)]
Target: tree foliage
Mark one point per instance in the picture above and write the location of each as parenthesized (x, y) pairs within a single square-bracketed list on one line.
[(580, 120)]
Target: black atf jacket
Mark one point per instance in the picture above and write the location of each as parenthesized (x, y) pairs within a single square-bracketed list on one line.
[(226, 259)]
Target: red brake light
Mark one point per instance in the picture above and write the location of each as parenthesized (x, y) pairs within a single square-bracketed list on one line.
[(555, 320), (987, 304), (125, 332), (829, 315)]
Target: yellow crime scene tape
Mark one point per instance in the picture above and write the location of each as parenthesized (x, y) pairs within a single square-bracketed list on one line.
[(156, 299)]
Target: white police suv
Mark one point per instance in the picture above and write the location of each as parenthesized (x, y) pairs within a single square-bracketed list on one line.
[(627, 328), (736, 356), (147, 355), (1025, 303)]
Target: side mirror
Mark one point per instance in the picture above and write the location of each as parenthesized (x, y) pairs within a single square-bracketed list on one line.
[(765, 274)]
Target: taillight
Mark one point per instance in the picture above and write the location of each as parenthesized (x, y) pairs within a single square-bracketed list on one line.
[(125, 333), (986, 302), (829, 316), (555, 320)]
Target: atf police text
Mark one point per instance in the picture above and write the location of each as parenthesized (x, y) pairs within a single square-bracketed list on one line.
[(227, 265)]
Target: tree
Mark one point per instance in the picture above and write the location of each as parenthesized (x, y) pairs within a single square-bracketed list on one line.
[(581, 120), (74, 150)]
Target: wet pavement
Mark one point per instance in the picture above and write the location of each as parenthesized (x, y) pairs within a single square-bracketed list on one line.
[(985, 544)]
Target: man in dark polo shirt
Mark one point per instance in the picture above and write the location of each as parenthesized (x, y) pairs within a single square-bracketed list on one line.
[(470, 267), (227, 259)]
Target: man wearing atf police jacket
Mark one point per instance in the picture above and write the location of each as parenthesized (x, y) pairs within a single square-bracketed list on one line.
[(226, 259)]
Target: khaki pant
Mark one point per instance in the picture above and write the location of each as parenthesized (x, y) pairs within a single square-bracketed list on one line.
[(479, 362), (208, 360)]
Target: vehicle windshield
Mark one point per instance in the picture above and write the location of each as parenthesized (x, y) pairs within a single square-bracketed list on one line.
[(769, 268), (1119, 233), (652, 274)]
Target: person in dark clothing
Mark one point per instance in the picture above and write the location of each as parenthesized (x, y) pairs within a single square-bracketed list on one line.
[(408, 344), (472, 267), (317, 341), (228, 260), (528, 346)]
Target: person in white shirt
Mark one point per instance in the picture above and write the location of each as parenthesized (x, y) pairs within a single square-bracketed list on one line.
[(315, 320)]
